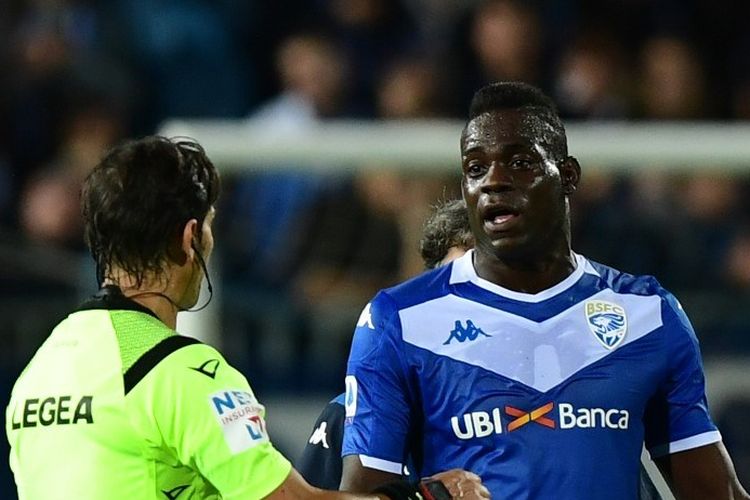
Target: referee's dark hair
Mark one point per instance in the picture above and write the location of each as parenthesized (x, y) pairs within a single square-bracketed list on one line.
[(500, 96), (137, 200)]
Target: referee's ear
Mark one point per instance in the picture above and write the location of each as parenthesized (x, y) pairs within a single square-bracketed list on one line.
[(187, 239)]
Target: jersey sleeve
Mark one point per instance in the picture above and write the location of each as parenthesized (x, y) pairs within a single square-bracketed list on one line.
[(377, 409), (677, 417), (209, 419), (320, 463)]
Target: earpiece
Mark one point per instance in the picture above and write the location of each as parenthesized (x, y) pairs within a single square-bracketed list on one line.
[(202, 263)]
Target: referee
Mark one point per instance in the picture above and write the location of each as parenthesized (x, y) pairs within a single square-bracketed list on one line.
[(115, 404)]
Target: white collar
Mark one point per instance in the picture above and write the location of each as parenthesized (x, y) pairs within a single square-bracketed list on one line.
[(463, 271)]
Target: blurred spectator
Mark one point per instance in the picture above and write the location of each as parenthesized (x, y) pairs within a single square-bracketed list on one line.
[(53, 49), (737, 262), (274, 214), (672, 81), (49, 209), (591, 80), (187, 61), (710, 204), (314, 77), (267, 205), (371, 34), (502, 40), (409, 89), (505, 38)]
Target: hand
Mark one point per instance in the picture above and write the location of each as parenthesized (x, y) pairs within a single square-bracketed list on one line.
[(463, 484)]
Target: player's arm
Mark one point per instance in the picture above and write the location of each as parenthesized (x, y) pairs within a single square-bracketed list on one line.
[(680, 435), (704, 472), (357, 477), (295, 487), (320, 461), (446, 485), (377, 403)]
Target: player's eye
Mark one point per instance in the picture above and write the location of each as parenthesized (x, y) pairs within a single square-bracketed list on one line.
[(475, 169), (521, 164)]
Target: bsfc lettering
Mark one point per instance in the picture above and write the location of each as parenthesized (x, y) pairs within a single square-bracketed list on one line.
[(603, 307), (53, 410)]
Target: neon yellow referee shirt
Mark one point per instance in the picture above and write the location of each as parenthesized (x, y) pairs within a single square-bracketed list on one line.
[(115, 405)]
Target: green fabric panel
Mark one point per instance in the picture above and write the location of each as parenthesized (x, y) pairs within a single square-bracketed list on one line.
[(137, 333)]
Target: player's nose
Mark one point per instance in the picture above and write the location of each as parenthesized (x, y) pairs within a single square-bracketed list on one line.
[(498, 179)]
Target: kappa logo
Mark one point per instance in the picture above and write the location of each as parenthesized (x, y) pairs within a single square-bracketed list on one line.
[(319, 435), (365, 319), (607, 321), (463, 333)]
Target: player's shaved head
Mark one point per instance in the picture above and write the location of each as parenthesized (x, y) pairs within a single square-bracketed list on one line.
[(543, 121)]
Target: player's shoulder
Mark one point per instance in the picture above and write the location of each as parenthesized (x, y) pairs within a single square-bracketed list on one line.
[(380, 320), (642, 285), (196, 356), (422, 288), (626, 283), (334, 412), (192, 366)]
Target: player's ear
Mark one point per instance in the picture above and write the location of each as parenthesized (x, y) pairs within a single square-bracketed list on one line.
[(570, 174)]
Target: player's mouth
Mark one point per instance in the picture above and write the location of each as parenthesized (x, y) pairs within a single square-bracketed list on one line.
[(499, 219)]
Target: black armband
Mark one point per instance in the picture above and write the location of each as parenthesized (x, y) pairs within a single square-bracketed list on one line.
[(426, 490)]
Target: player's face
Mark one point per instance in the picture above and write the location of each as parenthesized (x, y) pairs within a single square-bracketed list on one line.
[(512, 185)]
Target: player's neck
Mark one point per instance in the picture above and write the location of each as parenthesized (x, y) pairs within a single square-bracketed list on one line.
[(158, 303), (155, 294), (525, 275)]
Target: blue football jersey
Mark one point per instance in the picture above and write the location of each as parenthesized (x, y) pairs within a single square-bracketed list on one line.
[(547, 395)]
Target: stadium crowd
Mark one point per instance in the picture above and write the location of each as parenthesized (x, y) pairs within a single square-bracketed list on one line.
[(300, 253)]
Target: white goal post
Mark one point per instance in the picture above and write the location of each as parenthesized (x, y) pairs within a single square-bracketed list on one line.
[(237, 145)]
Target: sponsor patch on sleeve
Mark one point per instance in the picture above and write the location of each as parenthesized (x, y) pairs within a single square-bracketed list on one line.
[(241, 419)]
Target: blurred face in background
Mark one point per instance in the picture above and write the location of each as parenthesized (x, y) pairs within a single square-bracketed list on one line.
[(588, 83), (505, 38), (407, 91), (672, 80), (357, 12), (312, 67)]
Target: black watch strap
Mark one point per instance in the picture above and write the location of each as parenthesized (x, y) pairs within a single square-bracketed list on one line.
[(430, 489)]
